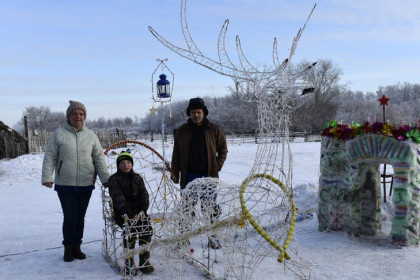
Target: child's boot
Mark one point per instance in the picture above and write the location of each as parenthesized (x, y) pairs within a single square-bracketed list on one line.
[(129, 267)]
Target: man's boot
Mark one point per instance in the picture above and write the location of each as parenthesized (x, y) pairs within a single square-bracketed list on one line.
[(68, 253), (144, 264), (77, 253)]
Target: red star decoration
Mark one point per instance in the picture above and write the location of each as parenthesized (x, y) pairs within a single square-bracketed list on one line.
[(383, 100), (191, 250)]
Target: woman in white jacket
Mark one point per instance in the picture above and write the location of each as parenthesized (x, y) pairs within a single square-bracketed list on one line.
[(76, 155)]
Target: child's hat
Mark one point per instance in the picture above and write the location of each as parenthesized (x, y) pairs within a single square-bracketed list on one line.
[(124, 155)]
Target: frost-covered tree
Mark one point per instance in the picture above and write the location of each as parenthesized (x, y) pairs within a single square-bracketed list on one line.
[(403, 104), (55, 120), (324, 100), (40, 118), (232, 114), (37, 117), (127, 121)]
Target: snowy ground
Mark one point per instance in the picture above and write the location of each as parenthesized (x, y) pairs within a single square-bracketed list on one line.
[(31, 219)]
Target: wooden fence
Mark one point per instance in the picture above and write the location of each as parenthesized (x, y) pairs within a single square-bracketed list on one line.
[(13, 145), (38, 140), (255, 138), (109, 137), (235, 138)]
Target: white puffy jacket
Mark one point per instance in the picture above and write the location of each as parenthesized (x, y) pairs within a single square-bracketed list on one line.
[(76, 156)]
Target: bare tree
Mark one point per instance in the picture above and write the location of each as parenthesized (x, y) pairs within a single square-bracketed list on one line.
[(323, 102), (55, 120), (37, 117), (118, 122), (151, 123), (40, 118), (127, 121), (234, 115), (108, 123)]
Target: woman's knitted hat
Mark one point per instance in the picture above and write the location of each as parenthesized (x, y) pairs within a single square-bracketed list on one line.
[(124, 156), (74, 105)]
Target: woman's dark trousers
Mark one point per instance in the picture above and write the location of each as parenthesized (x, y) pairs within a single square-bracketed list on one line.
[(74, 205)]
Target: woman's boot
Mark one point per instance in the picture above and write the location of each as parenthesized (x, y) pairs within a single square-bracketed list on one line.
[(68, 253), (77, 253)]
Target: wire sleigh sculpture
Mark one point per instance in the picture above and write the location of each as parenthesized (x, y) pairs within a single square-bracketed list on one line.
[(255, 221)]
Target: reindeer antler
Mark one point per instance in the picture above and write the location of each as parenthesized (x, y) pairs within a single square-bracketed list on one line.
[(224, 66)]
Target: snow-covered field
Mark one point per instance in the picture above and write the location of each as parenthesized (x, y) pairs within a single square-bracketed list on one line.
[(31, 219)]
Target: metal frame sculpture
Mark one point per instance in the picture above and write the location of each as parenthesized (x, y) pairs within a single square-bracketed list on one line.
[(258, 217)]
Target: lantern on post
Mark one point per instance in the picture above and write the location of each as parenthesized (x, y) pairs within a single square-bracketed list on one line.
[(164, 92), (164, 88)]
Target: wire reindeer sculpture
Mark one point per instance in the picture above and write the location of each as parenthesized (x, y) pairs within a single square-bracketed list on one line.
[(258, 218)]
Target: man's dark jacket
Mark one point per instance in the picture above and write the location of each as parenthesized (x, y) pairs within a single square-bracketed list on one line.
[(216, 149)]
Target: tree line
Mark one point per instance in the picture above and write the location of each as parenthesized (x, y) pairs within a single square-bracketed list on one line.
[(331, 99)]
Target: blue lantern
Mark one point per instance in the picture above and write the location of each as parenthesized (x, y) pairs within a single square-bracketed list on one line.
[(162, 87)]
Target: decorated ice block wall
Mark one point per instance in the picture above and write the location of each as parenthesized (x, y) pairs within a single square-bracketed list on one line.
[(349, 186)]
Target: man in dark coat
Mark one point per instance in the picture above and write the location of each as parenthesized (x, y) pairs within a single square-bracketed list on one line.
[(199, 151)]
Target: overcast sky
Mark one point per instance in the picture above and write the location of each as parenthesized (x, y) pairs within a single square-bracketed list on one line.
[(102, 54)]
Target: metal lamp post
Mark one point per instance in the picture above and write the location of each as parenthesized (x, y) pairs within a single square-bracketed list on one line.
[(164, 92)]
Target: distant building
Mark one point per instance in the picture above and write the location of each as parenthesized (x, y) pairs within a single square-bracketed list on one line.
[(12, 144)]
